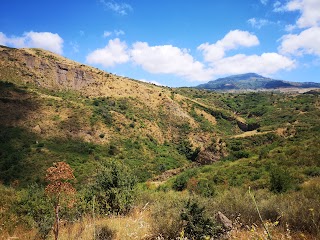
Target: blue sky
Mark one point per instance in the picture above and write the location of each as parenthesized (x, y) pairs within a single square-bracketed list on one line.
[(173, 42)]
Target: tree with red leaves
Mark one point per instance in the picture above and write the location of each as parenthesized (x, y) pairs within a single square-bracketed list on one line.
[(59, 177)]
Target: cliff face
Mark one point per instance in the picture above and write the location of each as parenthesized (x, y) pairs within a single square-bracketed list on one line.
[(48, 70)]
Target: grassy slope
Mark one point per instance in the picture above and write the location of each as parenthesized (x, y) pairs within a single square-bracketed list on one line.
[(148, 131)]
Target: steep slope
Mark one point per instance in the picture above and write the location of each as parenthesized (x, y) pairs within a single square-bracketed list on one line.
[(53, 108), (253, 81)]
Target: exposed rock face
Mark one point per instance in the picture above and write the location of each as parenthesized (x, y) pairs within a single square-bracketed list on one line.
[(48, 69)]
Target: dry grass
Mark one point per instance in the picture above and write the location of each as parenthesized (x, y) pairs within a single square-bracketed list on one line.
[(258, 233), (207, 116), (133, 226)]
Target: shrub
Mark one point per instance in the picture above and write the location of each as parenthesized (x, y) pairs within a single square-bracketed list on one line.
[(38, 208), (113, 188), (181, 181), (104, 233), (280, 180), (196, 224), (165, 214)]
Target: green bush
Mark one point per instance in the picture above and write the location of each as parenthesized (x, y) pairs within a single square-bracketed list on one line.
[(280, 180), (38, 209), (113, 188), (196, 224), (181, 181)]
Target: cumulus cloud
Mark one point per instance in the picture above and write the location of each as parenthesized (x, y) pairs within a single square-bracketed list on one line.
[(233, 40), (168, 59), (258, 23), (309, 10), (115, 52), (266, 63), (119, 8), (46, 40), (307, 42)]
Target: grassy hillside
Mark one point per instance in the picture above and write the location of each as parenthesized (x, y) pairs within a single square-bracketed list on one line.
[(173, 155)]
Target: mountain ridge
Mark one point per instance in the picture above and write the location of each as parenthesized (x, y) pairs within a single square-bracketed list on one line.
[(253, 81)]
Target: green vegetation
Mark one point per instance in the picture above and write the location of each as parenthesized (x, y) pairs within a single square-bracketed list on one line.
[(121, 150)]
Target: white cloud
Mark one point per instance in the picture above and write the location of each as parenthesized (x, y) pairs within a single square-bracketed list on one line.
[(46, 40), (119, 8), (307, 42), (278, 7), (115, 52), (258, 23), (115, 32), (266, 63), (107, 34), (151, 81), (309, 10), (233, 40), (168, 59), (3, 39), (290, 28), (119, 32)]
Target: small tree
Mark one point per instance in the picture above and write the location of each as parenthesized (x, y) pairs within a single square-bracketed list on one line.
[(58, 176)]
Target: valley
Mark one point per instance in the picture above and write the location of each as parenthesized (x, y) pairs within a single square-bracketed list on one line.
[(162, 158)]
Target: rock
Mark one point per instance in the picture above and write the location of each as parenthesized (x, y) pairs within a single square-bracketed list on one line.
[(226, 222), (37, 129)]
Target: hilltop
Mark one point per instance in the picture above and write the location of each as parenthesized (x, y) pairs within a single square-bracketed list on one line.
[(153, 156), (253, 81)]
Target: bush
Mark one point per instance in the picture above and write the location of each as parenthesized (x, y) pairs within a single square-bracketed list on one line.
[(113, 188), (38, 208), (280, 180), (181, 181), (165, 214), (196, 224), (104, 233)]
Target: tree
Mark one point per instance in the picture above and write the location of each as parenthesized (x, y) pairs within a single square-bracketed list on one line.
[(59, 187)]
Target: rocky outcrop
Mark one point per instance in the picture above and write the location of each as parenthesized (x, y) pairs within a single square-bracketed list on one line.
[(48, 70)]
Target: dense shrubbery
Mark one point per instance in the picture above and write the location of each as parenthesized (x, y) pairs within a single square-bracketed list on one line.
[(112, 189)]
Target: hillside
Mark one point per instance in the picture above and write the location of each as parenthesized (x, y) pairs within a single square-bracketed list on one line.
[(141, 152), (51, 99), (253, 81)]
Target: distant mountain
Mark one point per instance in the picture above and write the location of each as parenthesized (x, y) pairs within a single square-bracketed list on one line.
[(253, 81)]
